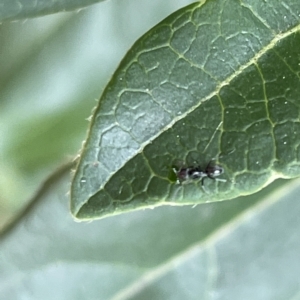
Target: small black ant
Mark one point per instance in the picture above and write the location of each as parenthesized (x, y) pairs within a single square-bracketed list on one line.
[(188, 174)]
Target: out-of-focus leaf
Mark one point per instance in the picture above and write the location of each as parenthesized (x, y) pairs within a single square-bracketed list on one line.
[(256, 256), (43, 109), (165, 252), (23, 9), (52, 69), (219, 80)]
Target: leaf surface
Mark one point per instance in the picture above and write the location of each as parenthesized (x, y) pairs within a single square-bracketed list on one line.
[(218, 250), (23, 9), (256, 255), (214, 81)]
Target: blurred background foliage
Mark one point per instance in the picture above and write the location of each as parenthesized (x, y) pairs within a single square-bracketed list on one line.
[(52, 71)]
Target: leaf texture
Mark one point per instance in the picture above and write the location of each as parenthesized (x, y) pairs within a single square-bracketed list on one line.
[(23, 9), (217, 80)]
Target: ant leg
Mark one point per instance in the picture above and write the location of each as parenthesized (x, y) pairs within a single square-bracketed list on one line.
[(203, 186), (219, 179)]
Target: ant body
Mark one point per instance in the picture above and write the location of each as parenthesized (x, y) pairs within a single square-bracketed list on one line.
[(187, 174)]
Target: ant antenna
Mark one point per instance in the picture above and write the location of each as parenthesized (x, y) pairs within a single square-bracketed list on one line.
[(231, 151), (209, 142)]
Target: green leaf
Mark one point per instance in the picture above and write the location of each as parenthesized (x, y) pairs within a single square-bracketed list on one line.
[(226, 249), (38, 135), (58, 57), (23, 9), (215, 80), (256, 254)]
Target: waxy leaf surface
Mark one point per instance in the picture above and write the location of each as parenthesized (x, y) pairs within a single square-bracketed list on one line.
[(214, 81), (23, 9), (220, 250)]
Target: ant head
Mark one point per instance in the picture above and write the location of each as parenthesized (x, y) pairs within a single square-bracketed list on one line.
[(214, 171)]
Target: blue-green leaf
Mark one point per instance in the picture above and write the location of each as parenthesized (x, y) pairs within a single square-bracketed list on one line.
[(214, 81), (23, 9)]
